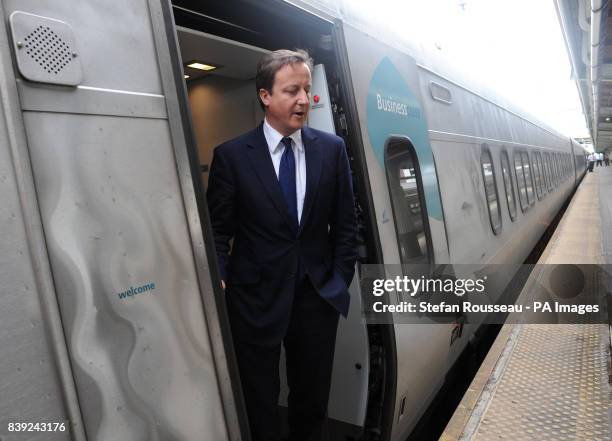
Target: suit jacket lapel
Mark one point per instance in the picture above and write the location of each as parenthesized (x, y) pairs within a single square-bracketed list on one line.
[(259, 155), (313, 172)]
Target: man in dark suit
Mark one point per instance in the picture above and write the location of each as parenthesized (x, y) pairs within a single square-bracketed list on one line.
[(283, 193)]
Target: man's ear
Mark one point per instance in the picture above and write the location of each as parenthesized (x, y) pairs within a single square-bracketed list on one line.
[(264, 96)]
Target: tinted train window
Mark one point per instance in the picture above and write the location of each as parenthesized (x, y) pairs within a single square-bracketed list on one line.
[(536, 175), (537, 159), (545, 170), (505, 166), (541, 157), (407, 201), (490, 186), (520, 181), (548, 183), (563, 167), (528, 177), (548, 171)]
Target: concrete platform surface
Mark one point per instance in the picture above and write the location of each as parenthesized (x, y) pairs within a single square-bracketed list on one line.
[(551, 381)]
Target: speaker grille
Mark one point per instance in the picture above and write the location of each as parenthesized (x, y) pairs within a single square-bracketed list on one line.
[(46, 48)]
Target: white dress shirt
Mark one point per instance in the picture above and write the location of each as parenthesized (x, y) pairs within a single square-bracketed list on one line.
[(276, 147)]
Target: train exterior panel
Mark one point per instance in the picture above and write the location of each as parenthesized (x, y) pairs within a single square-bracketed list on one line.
[(113, 208), (111, 313), (389, 107)]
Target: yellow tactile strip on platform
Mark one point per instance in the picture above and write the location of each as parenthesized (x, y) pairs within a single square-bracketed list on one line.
[(554, 387)]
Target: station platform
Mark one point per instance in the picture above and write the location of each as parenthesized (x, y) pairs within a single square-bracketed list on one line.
[(551, 381)]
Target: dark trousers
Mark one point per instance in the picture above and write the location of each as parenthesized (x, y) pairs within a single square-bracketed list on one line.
[(309, 348), (591, 164)]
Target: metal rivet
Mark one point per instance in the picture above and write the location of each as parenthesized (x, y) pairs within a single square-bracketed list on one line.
[(74, 54), (19, 44)]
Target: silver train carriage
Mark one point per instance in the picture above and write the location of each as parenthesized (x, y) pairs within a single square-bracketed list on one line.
[(111, 315)]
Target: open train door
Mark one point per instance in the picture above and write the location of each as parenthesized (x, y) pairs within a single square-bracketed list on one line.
[(400, 164), (110, 316)]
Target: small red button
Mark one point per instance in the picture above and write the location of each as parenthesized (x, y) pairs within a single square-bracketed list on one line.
[(316, 98)]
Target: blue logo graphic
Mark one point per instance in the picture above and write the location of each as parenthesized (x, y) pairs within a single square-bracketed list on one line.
[(392, 109)]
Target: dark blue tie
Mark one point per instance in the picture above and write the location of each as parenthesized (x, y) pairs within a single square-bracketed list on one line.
[(286, 178)]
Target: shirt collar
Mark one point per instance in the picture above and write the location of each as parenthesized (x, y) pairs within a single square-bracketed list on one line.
[(274, 138)]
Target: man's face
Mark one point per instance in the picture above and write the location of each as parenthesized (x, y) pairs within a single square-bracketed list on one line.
[(288, 103)]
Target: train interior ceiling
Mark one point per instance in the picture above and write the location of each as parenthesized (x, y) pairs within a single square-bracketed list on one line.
[(223, 100), (224, 104)]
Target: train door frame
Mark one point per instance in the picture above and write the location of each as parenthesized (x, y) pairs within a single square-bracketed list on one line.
[(185, 124), (379, 413)]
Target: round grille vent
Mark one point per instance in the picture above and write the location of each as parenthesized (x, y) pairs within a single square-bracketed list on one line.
[(48, 49)]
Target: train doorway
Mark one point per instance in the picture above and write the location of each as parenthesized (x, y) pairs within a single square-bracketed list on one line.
[(224, 104)]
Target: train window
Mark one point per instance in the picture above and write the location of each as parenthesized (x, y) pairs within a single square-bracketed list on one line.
[(536, 175), (545, 169), (563, 166), (528, 177), (548, 171), (505, 167), (553, 170), (542, 179), (520, 181), (490, 186), (407, 201), (545, 184)]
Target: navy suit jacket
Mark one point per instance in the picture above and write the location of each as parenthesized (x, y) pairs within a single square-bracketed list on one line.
[(246, 204)]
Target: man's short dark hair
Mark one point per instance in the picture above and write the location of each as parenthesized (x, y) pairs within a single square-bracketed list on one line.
[(273, 62)]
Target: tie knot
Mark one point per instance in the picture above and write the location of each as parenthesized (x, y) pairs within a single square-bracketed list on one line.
[(287, 142)]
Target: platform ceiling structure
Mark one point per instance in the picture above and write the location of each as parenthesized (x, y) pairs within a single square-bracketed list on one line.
[(587, 29)]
